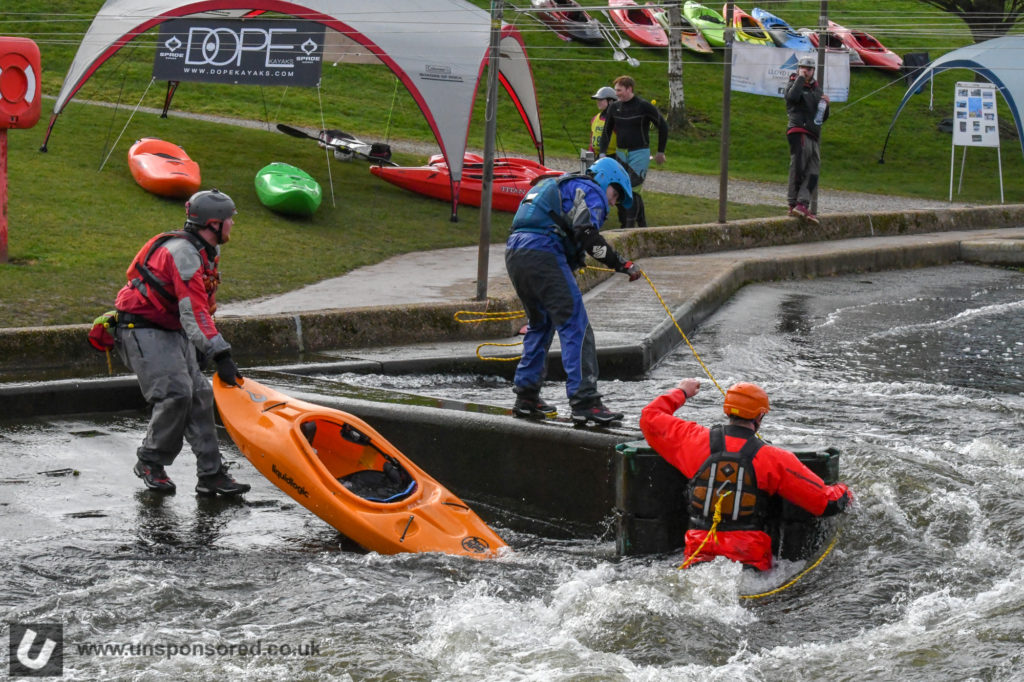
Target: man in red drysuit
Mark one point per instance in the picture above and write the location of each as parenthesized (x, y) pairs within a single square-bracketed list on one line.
[(734, 472)]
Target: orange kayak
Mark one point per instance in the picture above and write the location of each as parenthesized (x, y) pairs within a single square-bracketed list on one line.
[(338, 467), (163, 168)]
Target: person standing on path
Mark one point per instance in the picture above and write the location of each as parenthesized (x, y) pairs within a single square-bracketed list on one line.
[(630, 119), (164, 325), (604, 96), (556, 225), (807, 109)]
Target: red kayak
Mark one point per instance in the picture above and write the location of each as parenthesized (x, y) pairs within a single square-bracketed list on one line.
[(569, 20), (163, 168), (513, 177), (870, 50), (638, 23)]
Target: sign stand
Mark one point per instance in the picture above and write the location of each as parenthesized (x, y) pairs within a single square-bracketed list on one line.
[(975, 124)]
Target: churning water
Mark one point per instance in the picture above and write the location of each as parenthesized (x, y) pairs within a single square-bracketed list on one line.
[(918, 377)]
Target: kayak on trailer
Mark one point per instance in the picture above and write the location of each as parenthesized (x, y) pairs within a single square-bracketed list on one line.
[(569, 20), (691, 38), (748, 29), (163, 168), (283, 188), (781, 32), (870, 50), (638, 23), (513, 177), (709, 22), (338, 467)]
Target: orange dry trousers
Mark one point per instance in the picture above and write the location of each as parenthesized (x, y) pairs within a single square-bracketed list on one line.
[(751, 547)]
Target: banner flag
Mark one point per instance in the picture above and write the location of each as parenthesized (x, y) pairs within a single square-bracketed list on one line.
[(765, 70), (242, 52)]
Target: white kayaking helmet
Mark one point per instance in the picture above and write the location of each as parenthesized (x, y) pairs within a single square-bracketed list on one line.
[(808, 61), (604, 93)]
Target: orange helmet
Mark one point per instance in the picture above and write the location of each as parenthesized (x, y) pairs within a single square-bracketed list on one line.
[(746, 401)]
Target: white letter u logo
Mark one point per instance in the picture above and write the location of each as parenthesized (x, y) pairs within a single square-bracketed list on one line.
[(42, 658)]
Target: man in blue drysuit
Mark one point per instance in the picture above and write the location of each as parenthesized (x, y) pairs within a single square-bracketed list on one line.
[(557, 223)]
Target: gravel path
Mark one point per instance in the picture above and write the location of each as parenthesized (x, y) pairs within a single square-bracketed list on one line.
[(668, 182)]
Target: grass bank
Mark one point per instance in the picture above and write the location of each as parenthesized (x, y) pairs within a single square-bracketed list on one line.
[(73, 228)]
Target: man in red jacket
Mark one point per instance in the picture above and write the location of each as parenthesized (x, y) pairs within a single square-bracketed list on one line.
[(164, 324), (733, 472)]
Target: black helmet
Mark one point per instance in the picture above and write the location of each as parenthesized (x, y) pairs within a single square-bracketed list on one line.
[(208, 206)]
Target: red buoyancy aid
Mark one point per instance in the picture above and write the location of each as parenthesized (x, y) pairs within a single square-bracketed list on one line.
[(154, 289)]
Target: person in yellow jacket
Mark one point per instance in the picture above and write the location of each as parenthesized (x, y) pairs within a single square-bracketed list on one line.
[(604, 96)]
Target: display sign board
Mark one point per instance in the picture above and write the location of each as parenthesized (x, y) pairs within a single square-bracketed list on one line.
[(245, 52), (975, 119), (765, 70)]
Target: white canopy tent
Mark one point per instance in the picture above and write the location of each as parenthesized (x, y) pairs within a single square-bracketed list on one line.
[(437, 48), (999, 60)]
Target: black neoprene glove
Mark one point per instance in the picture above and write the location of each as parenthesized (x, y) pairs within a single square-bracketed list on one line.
[(227, 370)]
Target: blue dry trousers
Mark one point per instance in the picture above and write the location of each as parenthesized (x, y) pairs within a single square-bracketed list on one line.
[(546, 286)]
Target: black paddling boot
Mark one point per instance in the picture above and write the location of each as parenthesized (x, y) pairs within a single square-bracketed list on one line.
[(221, 483)]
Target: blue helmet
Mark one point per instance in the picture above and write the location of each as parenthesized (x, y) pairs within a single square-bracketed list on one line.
[(608, 171)]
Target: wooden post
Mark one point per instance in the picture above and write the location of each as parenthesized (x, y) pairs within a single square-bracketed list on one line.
[(723, 154)]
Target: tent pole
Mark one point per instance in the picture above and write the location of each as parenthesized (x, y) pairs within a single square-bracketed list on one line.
[(490, 132)]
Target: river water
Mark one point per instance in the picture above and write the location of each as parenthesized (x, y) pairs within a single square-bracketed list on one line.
[(918, 377)]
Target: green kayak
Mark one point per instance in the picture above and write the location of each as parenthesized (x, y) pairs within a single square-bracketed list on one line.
[(707, 21), (283, 188)]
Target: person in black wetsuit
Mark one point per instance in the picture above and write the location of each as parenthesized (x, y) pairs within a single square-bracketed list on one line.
[(630, 119)]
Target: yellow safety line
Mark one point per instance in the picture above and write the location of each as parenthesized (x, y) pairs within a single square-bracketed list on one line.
[(828, 550), (712, 533)]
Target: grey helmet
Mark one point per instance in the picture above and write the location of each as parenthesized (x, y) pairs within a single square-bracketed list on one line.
[(604, 93), (208, 206), (808, 61)]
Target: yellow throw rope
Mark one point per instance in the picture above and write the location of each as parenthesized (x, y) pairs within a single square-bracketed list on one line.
[(712, 534), (828, 550)]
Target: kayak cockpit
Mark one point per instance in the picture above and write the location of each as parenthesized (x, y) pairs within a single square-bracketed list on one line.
[(355, 461)]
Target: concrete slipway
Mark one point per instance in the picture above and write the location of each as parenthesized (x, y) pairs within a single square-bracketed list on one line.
[(398, 317)]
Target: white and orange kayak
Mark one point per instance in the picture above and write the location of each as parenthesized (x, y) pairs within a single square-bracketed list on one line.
[(338, 467)]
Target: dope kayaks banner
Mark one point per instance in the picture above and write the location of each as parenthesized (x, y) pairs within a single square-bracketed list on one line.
[(765, 70), (250, 52)]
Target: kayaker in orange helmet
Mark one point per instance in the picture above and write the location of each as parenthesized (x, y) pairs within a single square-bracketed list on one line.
[(164, 323), (730, 468)]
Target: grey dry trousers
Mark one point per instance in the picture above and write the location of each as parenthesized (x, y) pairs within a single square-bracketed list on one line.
[(804, 168), (181, 397)]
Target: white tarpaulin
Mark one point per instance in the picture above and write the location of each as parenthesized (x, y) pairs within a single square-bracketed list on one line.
[(437, 48), (765, 70)]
